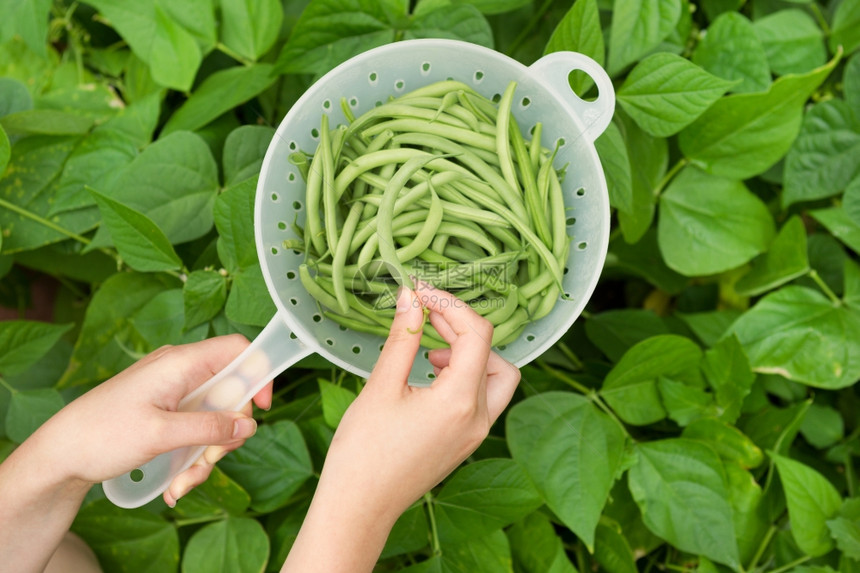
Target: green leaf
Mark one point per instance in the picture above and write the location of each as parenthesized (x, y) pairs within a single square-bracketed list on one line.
[(29, 20), (821, 162), (845, 27), (216, 495), (249, 301), (232, 545), (851, 201), (744, 134), (175, 56), (812, 500), (643, 259), (638, 26), (332, 31), (579, 31), (747, 499), (727, 370), (205, 293), (494, 6), (107, 332), (490, 554), (647, 171), (630, 388), (731, 50), (29, 409), (174, 182), (24, 342), (335, 400), (710, 224), (845, 528), (45, 122), (785, 260), (128, 540), (837, 221), (664, 93), (271, 466), (615, 331), (29, 185), (793, 42), (244, 150), (218, 94), (822, 426), (161, 321), (170, 37), (571, 451), (14, 97), (684, 403), (852, 284), (801, 335), (105, 152), (681, 488), (611, 549), (141, 244), (730, 443), (482, 497), (616, 168), (250, 27), (536, 548), (458, 22), (851, 84), (234, 220), (410, 532)]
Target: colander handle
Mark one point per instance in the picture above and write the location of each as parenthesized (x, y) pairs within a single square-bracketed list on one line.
[(553, 71), (272, 352)]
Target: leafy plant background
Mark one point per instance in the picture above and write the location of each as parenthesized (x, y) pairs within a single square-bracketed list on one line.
[(702, 415)]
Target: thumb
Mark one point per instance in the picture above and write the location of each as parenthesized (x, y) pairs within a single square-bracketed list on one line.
[(404, 338), (206, 429)]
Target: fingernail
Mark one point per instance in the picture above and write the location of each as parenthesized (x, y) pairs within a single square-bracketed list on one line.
[(404, 300), (244, 428), (171, 503)]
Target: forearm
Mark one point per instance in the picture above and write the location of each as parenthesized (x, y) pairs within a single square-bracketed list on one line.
[(339, 535), (37, 506)]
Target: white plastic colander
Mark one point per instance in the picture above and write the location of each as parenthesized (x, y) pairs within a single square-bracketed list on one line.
[(299, 328)]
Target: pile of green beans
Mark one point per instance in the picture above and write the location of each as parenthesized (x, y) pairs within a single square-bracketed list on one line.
[(438, 184)]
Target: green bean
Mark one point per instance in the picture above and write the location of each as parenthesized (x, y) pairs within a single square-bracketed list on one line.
[(458, 134), (535, 148), (535, 207), (315, 290), (313, 196), (340, 254), (330, 210), (511, 304), (508, 331)]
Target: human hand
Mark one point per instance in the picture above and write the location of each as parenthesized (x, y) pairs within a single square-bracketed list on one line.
[(396, 442), (131, 418)]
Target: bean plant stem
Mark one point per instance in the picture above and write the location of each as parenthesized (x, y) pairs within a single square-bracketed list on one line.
[(434, 531), (762, 546), (792, 565), (813, 274), (669, 175)]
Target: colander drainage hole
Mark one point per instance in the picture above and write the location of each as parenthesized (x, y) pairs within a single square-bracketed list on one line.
[(327, 104), (282, 226), (275, 197), (479, 75), (582, 246), (580, 192), (399, 85), (525, 102), (317, 318), (566, 270), (291, 275), (294, 301), (372, 77), (425, 67), (297, 205), (431, 376), (571, 221), (530, 337), (293, 336), (356, 349), (353, 102), (341, 327), (136, 475), (291, 177), (293, 146), (274, 250), (315, 133), (560, 142), (329, 341)]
